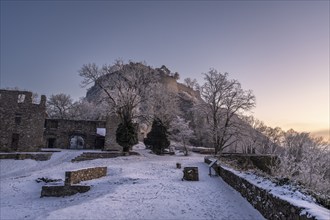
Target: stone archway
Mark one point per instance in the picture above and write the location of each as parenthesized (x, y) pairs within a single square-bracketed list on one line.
[(77, 141)]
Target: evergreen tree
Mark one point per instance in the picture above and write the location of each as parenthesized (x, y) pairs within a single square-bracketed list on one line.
[(157, 138), (126, 135)]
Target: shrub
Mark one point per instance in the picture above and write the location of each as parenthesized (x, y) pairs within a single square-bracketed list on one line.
[(157, 138), (126, 135)]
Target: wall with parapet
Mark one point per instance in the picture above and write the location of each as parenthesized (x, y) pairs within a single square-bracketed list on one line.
[(270, 206)]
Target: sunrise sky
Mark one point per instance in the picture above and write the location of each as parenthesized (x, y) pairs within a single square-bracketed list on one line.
[(278, 49)]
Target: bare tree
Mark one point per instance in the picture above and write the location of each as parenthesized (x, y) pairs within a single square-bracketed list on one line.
[(225, 100), (191, 83), (305, 160), (125, 87), (85, 110), (252, 135), (59, 105), (164, 105)]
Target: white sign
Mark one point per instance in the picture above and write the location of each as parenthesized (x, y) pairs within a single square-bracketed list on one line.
[(212, 163)]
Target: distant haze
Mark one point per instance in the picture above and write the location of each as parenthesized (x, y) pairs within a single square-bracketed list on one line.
[(279, 49)]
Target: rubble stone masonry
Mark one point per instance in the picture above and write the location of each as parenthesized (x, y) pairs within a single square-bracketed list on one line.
[(21, 121)]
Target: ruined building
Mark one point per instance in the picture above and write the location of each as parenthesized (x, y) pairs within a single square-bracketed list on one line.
[(21, 121), (74, 134), (24, 127)]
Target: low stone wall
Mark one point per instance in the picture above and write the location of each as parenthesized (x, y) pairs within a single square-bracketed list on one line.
[(60, 191), (270, 206), (22, 156), (73, 177), (100, 155)]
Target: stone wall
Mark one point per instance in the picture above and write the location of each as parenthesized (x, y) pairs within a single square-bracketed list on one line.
[(24, 156), (61, 191), (270, 206), (21, 121), (110, 137), (58, 133), (73, 177)]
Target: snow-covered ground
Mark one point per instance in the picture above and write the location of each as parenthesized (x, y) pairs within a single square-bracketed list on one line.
[(136, 187)]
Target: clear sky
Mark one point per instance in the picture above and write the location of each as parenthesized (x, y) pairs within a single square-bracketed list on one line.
[(279, 49)]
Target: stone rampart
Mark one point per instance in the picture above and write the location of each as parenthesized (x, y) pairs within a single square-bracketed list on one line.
[(73, 177), (270, 206)]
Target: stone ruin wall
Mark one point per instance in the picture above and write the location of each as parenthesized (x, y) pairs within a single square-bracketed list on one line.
[(21, 121), (61, 130), (269, 205)]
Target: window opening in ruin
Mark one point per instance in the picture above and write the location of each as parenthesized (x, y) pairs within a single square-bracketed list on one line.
[(21, 98), (99, 142), (14, 141), (53, 124), (51, 142), (35, 98), (77, 142), (18, 118)]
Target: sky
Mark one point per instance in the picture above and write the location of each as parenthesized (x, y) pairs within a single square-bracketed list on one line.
[(278, 49)]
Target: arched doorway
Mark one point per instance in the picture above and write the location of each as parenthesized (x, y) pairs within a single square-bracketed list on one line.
[(77, 142)]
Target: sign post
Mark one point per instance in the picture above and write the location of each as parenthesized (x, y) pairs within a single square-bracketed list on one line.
[(210, 167)]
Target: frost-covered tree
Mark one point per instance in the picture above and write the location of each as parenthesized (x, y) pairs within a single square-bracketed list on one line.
[(85, 110), (164, 105), (181, 132), (59, 106), (191, 83), (224, 101), (305, 160), (125, 87), (252, 138)]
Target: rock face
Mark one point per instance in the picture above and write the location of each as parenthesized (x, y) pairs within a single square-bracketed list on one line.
[(21, 121), (169, 81)]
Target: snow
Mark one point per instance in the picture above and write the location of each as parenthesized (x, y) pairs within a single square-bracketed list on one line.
[(287, 193), (100, 131), (136, 187)]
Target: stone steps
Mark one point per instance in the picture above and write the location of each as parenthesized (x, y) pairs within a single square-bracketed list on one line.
[(100, 155)]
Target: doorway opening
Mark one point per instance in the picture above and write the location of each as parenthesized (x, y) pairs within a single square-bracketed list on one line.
[(77, 142)]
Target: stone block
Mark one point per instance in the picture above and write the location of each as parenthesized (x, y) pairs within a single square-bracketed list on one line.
[(73, 177), (190, 174), (61, 191)]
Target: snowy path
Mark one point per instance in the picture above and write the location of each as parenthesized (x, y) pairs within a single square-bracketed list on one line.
[(136, 187)]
